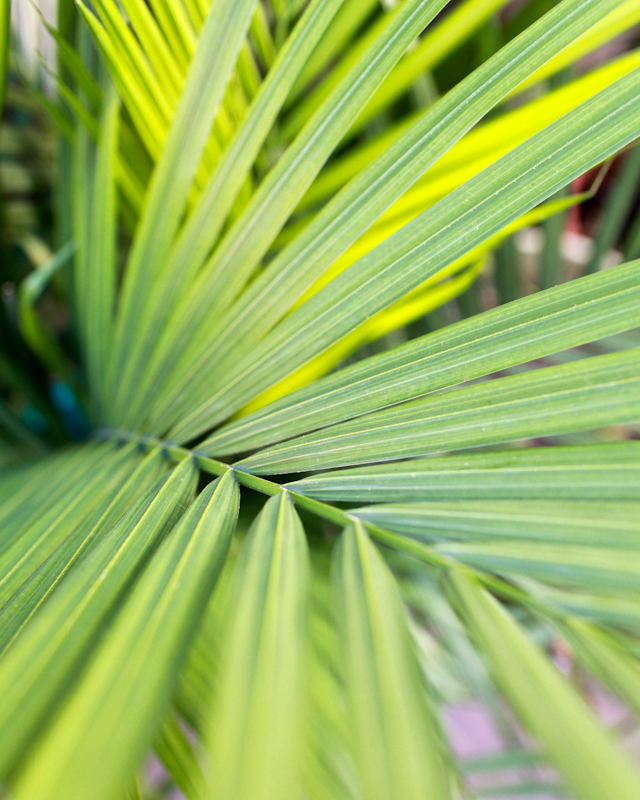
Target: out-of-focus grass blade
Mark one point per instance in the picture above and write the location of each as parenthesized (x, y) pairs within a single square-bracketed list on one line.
[(70, 59), (360, 203), (179, 758), (443, 233), (210, 70), (88, 751), (205, 221), (15, 613), (631, 245), (603, 654), (34, 331), (529, 328), (585, 472), (36, 668), (395, 740), (582, 395), (100, 260), (596, 524), (542, 698), (5, 8), (256, 718), (83, 155), (617, 206)]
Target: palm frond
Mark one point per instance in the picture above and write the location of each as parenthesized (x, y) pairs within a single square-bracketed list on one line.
[(283, 233)]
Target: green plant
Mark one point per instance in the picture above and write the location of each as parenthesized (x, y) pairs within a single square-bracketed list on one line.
[(248, 195)]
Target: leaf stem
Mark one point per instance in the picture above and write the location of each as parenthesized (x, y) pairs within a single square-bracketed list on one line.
[(493, 583)]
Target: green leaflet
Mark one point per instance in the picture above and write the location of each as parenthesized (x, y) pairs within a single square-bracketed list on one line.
[(351, 15), (39, 584), (87, 750), (34, 331), (328, 768), (447, 230), (595, 524), (366, 197), (529, 328), (86, 133), (179, 758), (618, 204), (136, 619), (395, 741), (585, 472), (577, 396), (100, 260), (256, 722), (617, 609), (36, 488), (429, 50), (198, 677), (92, 491), (36, 668), (542, 698), (209, 73), (608, 659), (5, 8)]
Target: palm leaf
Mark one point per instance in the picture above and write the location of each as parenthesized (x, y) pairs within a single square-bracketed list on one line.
[(255, 194)]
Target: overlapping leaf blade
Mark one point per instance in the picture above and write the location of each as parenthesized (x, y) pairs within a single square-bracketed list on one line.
[(87, 750), (603, 569), (495, 197), (395, 740), (256, 724), (578, 396), (584, 472), (354, 209), (219, 44), (238, 254), (207, 218), (42, 581), (530, 328), (36, 669)]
